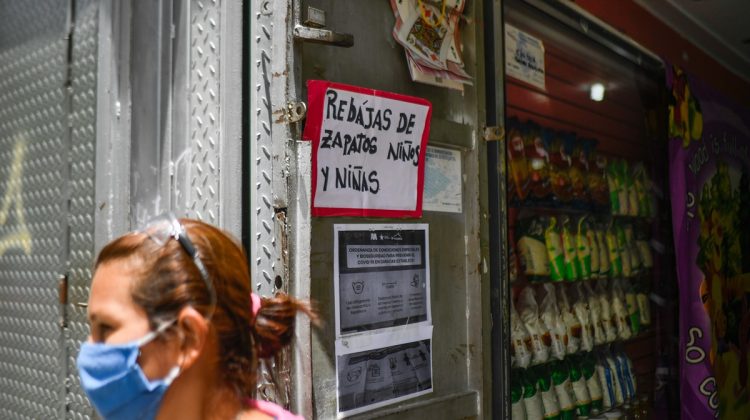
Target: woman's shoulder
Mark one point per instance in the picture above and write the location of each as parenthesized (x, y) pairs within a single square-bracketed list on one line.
[(271, 409)]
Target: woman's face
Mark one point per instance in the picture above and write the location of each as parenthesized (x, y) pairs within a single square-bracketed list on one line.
[(115, 318)]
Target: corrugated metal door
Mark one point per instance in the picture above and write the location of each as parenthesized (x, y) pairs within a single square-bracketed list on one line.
[(47, 83), (81, 186), (294, 252)]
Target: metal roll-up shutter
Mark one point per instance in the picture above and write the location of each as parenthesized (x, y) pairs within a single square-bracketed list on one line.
[(33, 209)]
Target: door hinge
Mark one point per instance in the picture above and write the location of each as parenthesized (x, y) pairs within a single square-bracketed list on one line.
[(494, 133), (62, 296)]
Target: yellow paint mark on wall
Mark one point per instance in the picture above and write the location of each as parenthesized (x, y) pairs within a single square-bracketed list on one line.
[(20, 237)]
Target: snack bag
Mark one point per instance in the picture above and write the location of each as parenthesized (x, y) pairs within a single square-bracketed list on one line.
[(614, 186), (635, 255), (519, 339), (595, 310), (584, 249), (644, 306), (624, 249), (579, 168), (607, 316), (559, 164), (540, 336), (532, 250), (593, 243), (581, 309), (572, 264), (550, 316), (555, 255), (604, 267), (572, 324), (622, 174), (644, 249), (598, 181), (641, 183), (609, 383), (620, 312), (632, 193), (615, 258), (517, 162), (634, 315), (538, 161)]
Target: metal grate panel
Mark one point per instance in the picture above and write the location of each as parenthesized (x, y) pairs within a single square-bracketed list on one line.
[(205, 132), (28, 20), (264, 249), (32, 214), (81, 218)]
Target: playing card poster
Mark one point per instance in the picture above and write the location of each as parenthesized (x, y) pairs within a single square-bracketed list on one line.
[(710, 193)]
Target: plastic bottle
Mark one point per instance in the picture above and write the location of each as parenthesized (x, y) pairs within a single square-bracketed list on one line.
[(549, 396), (588, 368), (532, 400), (517, 409), (607, 380), (564, 390), (621, 389), (580, 390)]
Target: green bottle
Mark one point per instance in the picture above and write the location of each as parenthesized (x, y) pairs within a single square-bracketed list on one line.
[(517, 409), (564, 390), (532, 401), (588, 367), (580, 390), (549, 397)]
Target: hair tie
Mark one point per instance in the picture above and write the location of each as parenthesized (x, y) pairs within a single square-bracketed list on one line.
[(255, 305)]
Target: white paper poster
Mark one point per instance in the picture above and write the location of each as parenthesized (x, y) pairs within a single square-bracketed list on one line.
[(442, 180), (368, 150), (381, 276), (384, 369), (383, 320), (524, 57)]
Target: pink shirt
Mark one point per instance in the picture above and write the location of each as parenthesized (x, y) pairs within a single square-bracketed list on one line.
[(273, 410)]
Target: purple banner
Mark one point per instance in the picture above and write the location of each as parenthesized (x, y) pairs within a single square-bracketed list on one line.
[(710, 192)]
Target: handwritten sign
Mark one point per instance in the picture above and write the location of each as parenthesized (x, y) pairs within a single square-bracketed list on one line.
[(368, 150), (524, 57)]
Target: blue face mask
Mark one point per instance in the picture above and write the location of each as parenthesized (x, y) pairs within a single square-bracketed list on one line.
[(114, 382)]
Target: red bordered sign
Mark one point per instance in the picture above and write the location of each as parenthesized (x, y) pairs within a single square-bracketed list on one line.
[(369, 150)]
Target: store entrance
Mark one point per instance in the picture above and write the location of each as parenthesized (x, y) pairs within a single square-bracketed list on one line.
[(589, 227)]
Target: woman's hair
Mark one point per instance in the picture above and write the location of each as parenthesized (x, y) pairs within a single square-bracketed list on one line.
[(168, 280)]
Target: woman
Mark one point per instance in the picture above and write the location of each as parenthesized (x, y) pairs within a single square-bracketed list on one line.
[(175, 330)]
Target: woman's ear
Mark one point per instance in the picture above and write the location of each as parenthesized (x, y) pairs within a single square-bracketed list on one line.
[(194, 331)]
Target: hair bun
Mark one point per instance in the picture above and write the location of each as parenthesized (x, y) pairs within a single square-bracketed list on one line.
[(274, 322)]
